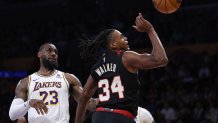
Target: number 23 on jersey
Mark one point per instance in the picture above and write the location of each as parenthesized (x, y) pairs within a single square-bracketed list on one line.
[(52, 94)]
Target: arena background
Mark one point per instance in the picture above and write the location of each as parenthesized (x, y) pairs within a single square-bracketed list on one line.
[(186, 88)]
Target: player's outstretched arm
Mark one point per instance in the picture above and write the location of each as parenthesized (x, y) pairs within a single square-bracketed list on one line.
[(158, 56), (88, 91), (20, 105)]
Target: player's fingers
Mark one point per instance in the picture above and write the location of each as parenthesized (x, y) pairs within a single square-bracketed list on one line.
[(141, 17), (135, 27), (146, 24), (140, 21), (41, 111), (136, 19), (37, 110), (45, 109), (137, 23), (143, 21)]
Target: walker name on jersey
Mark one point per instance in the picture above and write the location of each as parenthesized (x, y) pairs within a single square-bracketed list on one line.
[(105, 68), (39, 85)]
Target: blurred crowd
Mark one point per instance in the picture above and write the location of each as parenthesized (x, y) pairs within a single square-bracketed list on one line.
[(24, 28), (183, 92)]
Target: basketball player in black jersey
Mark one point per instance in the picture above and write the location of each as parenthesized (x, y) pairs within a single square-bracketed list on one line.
[(114, 75)]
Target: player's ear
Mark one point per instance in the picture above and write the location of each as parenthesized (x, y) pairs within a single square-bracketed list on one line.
[(39, 54)]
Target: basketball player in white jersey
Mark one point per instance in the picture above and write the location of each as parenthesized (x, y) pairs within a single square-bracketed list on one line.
[(45, 93), (144, 116)]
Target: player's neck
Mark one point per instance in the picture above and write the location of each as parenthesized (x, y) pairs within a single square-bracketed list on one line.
[(45, 71)]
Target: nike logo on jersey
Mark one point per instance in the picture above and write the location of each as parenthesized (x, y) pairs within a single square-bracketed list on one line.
[(35, 79)]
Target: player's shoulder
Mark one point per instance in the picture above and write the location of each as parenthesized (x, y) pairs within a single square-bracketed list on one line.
[(71, 78), (23, 83), (129, 56), (69, 75), (25, 79), (129, 53)]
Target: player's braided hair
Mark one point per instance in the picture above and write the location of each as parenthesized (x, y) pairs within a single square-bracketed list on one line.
[(92, 49)]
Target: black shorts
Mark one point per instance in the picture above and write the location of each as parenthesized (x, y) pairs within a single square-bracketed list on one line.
[(110, 117)]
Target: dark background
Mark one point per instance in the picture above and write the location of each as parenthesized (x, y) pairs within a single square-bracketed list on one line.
[(188, 85)]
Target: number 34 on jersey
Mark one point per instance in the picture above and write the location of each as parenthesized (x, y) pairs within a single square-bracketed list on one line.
[(115, 87)]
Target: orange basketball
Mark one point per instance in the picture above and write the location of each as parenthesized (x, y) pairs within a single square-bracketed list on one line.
[(167, 6)]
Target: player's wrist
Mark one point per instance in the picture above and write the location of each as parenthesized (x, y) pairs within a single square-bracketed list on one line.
[(26, 104), (150, 29)]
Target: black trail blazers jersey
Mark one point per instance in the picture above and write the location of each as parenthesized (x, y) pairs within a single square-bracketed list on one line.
[(117, 87)]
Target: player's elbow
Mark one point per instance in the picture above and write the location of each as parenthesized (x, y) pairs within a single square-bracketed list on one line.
[(161, 61), (164, 61)]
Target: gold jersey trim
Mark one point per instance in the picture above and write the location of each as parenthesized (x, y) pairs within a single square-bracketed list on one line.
[(65, 80), (55, 71)]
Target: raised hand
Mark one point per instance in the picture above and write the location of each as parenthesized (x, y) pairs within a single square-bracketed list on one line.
[(141, 24), (39, 105)]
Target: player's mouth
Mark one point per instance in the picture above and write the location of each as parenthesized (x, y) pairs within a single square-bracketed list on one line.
[(52, 59)]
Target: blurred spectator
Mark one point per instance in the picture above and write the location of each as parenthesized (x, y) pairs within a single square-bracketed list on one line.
[(212, 113), (169, 113), (198, 112)]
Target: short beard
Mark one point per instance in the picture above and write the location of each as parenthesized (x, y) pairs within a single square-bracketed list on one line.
[(49, 65)]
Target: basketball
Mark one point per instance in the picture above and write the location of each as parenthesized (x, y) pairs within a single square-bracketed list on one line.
[(167, 6)]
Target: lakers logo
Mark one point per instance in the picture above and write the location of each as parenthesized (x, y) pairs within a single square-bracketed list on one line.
[(39, 85)]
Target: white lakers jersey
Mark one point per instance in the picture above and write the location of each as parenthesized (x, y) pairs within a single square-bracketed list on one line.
[(54, 91)]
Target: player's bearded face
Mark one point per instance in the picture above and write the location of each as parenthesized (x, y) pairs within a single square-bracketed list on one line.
[(50, 63)]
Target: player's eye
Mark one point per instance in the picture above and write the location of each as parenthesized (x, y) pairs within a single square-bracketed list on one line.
[(49, 50)]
